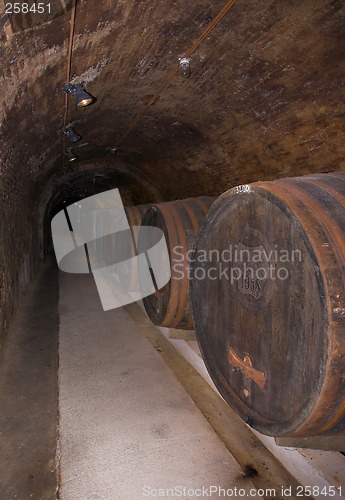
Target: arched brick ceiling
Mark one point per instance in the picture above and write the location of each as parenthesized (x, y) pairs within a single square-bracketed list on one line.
[(265, 98)]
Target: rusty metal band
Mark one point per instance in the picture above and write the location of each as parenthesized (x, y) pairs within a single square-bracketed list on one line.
[(205, 203), (178, 291), (337, 175), (188, 206), (335, 232), (184, 287)]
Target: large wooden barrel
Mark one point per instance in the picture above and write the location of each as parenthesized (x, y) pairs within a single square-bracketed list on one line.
[(180, 221), (268, 303)]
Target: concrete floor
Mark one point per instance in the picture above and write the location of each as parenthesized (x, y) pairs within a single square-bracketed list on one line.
[(127, 427), (99, 405)]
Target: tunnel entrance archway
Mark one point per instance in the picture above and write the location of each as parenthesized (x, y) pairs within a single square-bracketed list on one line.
[(92, 177)]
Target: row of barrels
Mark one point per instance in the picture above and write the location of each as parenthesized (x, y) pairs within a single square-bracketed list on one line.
[(261, 270)]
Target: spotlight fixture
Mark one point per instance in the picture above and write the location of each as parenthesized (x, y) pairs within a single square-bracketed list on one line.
[(71, 134), (83, 98), (185, 67), (70, 155)]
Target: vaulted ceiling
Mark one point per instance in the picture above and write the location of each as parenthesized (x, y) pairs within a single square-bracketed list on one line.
[(265, 98)]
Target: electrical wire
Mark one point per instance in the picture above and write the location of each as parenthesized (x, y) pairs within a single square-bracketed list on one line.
[(68, 75), (176, 69)]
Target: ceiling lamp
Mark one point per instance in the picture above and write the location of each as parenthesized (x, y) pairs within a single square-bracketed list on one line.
[(185, 67), (71, 134), (83, 98), (70, 155)]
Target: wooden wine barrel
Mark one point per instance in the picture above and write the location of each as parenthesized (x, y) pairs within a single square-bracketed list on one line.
[(180, 221), (268, 302)]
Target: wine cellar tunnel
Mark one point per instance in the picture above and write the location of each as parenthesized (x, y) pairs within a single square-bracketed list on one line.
[(260, 98)]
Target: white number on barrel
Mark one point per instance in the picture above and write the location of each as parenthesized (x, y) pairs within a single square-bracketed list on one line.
[(243, 189)]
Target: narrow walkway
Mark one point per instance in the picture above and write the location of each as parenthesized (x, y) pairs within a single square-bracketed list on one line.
[(28, 394), (127, 427)]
